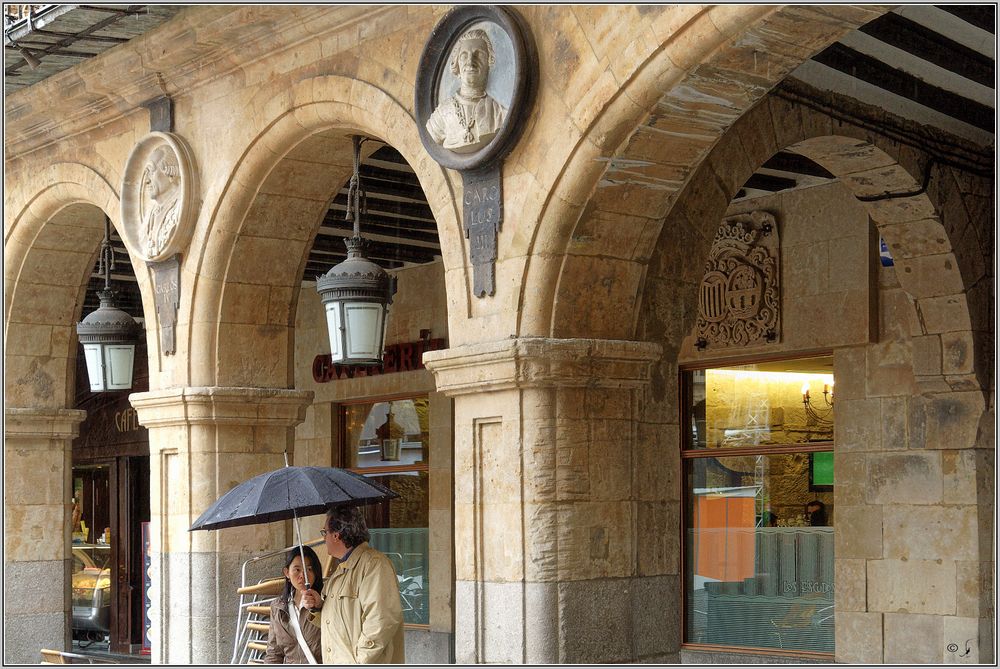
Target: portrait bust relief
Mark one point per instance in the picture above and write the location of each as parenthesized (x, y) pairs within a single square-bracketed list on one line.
[(469, 119), (157, 197), (159, 200), (475, 86)]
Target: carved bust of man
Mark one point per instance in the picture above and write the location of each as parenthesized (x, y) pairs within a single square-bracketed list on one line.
[(159, 199), (471, 118)]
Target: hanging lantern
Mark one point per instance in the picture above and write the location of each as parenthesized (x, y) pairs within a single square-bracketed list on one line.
[(108, 334), (356, 293)]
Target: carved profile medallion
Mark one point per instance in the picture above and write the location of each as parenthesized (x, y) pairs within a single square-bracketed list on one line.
[(739, 298), (158, 197)]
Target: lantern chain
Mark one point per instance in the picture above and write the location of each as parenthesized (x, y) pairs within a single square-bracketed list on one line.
[(357, 198)]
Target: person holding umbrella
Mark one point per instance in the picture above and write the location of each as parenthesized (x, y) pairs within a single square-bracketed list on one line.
[(291, 492), (293, 640), (360, 614)]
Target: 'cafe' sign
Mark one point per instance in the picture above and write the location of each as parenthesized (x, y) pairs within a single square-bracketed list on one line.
[(397, 358)]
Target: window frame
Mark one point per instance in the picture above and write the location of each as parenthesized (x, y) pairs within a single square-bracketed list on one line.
[(342, 455), (688, 454)]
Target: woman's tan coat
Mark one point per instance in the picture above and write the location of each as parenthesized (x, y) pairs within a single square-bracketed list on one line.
[(282, 645), (362, 618)]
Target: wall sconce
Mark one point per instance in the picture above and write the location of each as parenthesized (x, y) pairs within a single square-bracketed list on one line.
[(820, 417), (357, 292), (108, 334)]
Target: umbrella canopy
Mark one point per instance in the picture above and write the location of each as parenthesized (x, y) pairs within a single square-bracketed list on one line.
[(289, 492)]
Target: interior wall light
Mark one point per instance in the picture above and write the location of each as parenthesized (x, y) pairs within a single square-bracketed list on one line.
[(819, 416), (108, 334), (356, 293)]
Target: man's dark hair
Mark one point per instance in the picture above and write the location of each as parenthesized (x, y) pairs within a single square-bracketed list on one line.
[(817, 518), (350, 524)]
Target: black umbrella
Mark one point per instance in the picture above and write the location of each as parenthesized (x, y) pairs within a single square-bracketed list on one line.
[(291, 492)]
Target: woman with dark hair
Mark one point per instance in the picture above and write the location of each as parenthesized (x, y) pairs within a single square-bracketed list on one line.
[(361, 615), (283, 643)]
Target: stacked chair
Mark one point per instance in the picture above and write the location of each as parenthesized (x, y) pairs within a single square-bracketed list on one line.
[(255, 596)]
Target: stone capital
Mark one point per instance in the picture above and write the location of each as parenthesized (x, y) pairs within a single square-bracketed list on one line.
[(276, 407), (42, 423), (542, 362)]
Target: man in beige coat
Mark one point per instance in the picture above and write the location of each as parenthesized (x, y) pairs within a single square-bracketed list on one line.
[(361, 618)]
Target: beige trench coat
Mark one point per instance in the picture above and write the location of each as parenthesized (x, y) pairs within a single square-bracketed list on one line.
[(362, 617)]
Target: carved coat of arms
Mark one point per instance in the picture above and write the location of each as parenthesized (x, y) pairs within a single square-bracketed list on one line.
[(739, 297)]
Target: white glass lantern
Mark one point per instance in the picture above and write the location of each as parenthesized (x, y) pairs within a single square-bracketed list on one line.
[(357, 292), (108, 336)]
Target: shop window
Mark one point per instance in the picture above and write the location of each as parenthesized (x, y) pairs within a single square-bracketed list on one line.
[(758, 498), (388, 441)]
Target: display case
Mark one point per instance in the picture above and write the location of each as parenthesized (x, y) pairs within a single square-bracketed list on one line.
[(91, 583)]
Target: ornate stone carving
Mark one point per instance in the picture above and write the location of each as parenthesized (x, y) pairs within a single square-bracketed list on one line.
[(739, 298), (158, 197)]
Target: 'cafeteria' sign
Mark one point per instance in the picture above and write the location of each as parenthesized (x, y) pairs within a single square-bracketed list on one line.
[(397, 358)]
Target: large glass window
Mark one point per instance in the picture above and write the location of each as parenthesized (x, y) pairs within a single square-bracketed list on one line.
[(388, 441), (759, 513)]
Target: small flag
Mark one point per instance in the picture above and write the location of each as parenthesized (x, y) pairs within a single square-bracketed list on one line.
[(883, 253)]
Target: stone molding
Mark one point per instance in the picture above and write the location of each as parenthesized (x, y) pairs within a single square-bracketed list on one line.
[(42, 423), (221, 406), (542, 362)]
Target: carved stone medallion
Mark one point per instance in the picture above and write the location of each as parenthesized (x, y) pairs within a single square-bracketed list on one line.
[(475, 86), (158, 196), (739, 298)]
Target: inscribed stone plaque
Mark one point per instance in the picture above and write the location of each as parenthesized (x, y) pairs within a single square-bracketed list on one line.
[(167, 292), (482, 218), (475, 85)]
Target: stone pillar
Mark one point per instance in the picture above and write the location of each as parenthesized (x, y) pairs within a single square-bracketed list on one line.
[(202, 443), (914, 517), (38, 463), (549, 564)]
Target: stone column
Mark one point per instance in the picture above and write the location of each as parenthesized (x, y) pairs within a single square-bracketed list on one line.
[(914, 517), (38, 464), (550, 566), (202, 443)]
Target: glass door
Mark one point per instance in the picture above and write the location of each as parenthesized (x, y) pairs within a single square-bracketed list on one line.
[(110, 503)]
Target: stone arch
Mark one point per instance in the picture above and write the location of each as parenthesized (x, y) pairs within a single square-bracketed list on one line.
[(931, 214), (49, 251), (889, 178), (641, 150), (250, 259)]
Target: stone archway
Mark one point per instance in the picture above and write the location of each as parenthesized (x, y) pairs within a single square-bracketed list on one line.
[(938, 274), (53, 237), (934, 467), (600, 225), (235, 417), (270, 212)]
